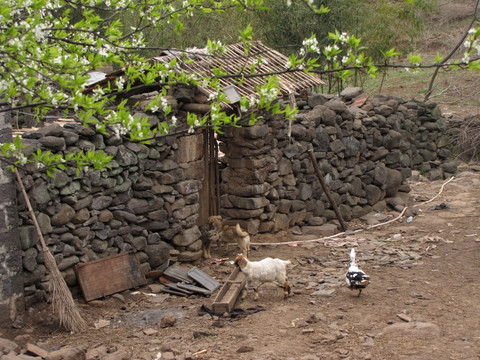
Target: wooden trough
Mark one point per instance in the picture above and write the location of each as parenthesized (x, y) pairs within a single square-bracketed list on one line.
[(227, 296)]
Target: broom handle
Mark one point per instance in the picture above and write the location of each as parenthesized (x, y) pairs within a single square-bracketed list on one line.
[(30, 210)]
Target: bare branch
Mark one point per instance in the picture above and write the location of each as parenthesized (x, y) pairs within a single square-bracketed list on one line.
[(445, 59)]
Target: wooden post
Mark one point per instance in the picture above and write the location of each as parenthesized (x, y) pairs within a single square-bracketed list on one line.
[(325, 188), (293, 105)]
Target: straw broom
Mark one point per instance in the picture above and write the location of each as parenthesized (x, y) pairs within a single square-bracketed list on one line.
[(62, 300)]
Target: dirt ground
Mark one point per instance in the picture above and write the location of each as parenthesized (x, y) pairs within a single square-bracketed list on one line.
[(422, 302)]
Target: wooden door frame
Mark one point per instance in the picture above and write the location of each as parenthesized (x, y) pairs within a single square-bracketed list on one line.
[(210, 192)]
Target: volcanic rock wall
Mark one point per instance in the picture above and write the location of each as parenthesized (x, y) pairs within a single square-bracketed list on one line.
[(148, 201), (366, 153), (11, 284)]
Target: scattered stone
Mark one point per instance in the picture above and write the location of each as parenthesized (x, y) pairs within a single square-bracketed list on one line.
[(245, 349), (118, 355), (102, 323), (415, 328), (7, 346), (96, 303), (155, 288), (404, 317), (97, 352), (168, 355), (119, 297), (312, 319), (329, 338), (218, 323), (150, 331), (168, 320), (200, 334), (324, 292), (368, 342), (67, 353)]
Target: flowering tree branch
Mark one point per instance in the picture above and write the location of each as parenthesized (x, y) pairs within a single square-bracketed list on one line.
[(48, 48)]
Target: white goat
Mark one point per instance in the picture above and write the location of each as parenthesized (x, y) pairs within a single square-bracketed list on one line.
[(266, 270)]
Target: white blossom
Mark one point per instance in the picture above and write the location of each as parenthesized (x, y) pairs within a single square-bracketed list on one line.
[(38, 32), (311, 45), (97, 93), (120, 82), (21, 159), (476, 46), (163, 103), (3, 85)]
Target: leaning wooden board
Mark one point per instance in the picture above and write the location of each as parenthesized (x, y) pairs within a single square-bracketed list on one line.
[(229, 292), (99, 278)]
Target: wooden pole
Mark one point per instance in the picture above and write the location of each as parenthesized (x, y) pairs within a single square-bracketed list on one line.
[(217, 173), (325, 188)]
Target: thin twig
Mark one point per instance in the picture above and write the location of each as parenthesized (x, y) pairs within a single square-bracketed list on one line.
[(444, 60)]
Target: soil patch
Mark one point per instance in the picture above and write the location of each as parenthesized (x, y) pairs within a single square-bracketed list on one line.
[(422, 302)]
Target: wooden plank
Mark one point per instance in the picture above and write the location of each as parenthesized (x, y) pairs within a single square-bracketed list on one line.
[(177, 273), (154, 274), (103, 277), (204, 279), (173, 292), (176, 288), (229, 292), (195, 289)]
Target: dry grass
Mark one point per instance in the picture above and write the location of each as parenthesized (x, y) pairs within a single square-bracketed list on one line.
[(456, 91), (468, 139)]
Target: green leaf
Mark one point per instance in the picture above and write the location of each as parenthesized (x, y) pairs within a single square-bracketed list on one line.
[(415, 59), (474, 65), (390, 53)]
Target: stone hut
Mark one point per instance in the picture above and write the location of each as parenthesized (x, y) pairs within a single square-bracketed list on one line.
[(153, 198)]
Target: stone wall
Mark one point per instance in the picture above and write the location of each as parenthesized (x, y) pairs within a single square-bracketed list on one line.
[(11, 277), (148, 201), (366, 153)]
